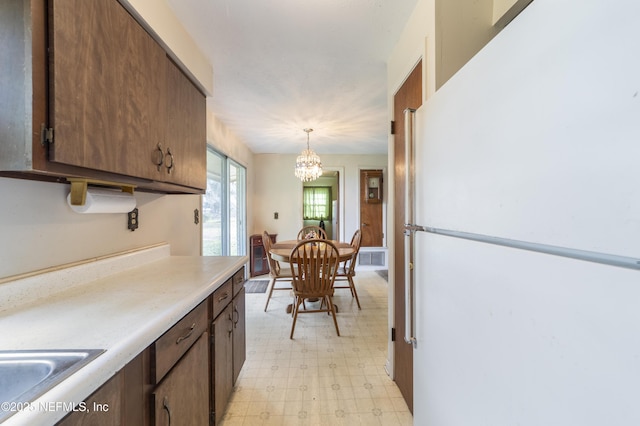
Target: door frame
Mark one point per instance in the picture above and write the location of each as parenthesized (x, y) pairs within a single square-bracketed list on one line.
[(341, 205), (397, 244)]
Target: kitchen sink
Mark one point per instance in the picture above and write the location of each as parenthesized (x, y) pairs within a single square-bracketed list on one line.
[(27, 374)]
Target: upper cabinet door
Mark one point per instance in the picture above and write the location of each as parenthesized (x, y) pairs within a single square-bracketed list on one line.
[(186, 131), (107, 89)]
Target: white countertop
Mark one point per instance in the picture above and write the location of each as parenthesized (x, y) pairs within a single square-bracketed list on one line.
[(120, 304)]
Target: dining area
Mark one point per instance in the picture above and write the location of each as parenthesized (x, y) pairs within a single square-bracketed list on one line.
[(311, 268)]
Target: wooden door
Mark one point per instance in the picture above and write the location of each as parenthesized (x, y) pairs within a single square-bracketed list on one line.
[(107, 77), (408, 96), (370, 216), (182, 398)]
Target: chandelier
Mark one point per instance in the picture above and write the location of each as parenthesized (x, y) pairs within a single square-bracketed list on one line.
[(308, 165)]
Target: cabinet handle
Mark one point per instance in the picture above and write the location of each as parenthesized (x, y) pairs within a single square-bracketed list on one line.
[(165, 405), (159, 156), (223, 297), (235, 311), (171, 161), (186, 336), (230, 331)]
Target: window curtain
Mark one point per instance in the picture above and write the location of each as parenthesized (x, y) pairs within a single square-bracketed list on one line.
[(316, 202)]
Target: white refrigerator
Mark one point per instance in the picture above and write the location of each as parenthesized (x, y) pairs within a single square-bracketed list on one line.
[(524, 307)]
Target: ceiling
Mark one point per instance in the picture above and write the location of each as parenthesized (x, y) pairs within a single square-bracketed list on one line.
[(284, 65)]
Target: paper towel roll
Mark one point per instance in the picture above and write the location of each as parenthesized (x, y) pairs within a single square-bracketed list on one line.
[(105, 201)]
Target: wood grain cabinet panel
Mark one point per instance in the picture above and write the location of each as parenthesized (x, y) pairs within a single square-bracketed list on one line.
[(102, 408), (186, 128), (182, 398), (107, 76), (239, 334), (91, 93), (222, 361), (178, 339)]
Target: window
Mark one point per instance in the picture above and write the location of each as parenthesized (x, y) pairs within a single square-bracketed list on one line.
[(316, 202), (224, 207)]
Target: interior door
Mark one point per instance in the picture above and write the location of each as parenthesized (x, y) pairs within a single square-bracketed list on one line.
[(370, 216), (408, 96)]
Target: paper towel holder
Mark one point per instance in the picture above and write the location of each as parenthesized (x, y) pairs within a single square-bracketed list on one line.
[(79, 186)]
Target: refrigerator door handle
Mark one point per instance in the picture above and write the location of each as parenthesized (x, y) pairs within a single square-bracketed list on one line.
[(410, 228)]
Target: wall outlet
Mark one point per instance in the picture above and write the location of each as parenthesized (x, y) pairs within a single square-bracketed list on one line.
[(133, 219), (275, 215)]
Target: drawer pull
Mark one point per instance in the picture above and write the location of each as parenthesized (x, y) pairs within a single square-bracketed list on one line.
[(186, 336), (223, 297), (165, 405)]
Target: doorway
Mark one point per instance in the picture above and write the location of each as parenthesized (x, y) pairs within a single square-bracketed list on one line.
[(321, 205), (408, 96)]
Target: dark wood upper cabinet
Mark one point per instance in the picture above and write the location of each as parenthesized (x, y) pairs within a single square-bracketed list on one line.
[(185, 147), (118, 107)]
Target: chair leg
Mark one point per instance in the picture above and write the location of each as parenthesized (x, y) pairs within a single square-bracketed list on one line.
[(353, 290), (332, 309), (296, 307), (272, 284)]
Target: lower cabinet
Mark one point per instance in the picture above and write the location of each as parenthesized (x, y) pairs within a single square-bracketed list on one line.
[(182, 398), (185, 377), (102, 408), (228, 341), (239, 334), (222, 362)]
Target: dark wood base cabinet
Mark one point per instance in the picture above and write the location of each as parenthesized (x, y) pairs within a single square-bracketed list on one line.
[(182, 398), (186, 376)]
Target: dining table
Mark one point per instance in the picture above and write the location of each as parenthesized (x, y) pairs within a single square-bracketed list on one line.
[(281, 250)]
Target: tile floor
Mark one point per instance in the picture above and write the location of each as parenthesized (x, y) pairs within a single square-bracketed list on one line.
[(318, 378)]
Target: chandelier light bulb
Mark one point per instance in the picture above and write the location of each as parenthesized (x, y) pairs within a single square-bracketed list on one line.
[(308, 164)]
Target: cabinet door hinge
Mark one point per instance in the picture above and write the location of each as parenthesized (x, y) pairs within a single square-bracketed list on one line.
[(392, 127), (393, 334), (212, 418), (46, 134)]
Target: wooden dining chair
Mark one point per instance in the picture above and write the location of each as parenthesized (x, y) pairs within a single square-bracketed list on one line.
[(276, 272), (308, 230), (314, 263), (347, 269)]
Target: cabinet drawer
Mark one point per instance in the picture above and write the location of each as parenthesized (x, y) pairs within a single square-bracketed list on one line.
[(174, 343), (238, 281), (222, 297), (256, 241)]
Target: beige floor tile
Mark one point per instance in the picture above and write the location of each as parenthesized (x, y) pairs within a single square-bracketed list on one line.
[(318, 378)]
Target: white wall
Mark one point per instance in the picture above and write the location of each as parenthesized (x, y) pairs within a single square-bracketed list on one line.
[(158, 18), (39, 230), (276, 189)]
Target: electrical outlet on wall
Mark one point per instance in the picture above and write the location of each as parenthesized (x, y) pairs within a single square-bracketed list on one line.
[(133, 219), (275, 215)]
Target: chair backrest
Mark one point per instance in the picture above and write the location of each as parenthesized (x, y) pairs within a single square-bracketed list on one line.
[(350, 265), (274, 267), (315, 264), (313, 232)]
